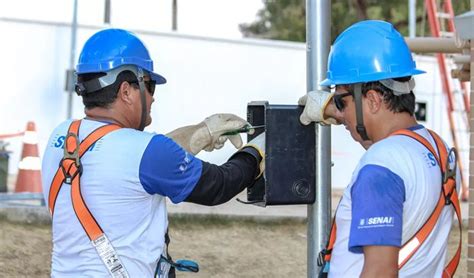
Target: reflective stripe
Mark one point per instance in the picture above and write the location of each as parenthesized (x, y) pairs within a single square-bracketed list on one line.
[(405, 252), (423, 232)]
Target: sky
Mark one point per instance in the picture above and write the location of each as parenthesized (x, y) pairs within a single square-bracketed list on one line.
[(213, 18)]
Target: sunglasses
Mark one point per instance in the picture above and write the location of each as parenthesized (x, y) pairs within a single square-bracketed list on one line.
[(339, 102), (150, 85)]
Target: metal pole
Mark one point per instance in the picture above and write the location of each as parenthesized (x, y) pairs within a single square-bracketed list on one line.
[(107, 12), (318, 36), (412, 18), (72, 60), (174, 26)]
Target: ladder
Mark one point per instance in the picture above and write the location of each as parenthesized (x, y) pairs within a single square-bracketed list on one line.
[(441, 21)]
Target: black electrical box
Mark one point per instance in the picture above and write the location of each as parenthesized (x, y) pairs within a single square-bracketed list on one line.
[(289, 176)]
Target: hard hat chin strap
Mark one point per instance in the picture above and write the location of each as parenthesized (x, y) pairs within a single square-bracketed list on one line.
[(141, 84), (359, 115)]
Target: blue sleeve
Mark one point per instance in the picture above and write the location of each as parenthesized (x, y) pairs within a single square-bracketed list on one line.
[(168, 170), (377, 196)]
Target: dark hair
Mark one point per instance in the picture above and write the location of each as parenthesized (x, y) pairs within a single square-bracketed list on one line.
[(107, 95), (397, 104)]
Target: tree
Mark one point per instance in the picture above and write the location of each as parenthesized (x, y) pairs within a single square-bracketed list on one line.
[(279, 19), (285, 19)]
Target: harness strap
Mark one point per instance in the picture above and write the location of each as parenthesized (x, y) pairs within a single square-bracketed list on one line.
[(448, 196), (60, 175), (450, 269), (69, 172), (325, 254)]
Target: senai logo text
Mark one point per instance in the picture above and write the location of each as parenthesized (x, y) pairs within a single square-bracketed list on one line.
[(380, 221)]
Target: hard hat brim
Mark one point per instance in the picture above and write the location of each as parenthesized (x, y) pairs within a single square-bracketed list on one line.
[(368, 78), (157, 78)]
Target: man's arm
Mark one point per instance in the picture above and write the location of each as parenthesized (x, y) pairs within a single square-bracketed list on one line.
[(378, 195), (213, 185), (219, 184), (168, 170), (380, 261)]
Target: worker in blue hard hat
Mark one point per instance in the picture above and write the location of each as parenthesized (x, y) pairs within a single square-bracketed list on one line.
[(392, 219), (107, 196)]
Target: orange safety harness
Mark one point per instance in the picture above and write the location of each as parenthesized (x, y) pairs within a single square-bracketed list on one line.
[(69, 172), (448, 196)]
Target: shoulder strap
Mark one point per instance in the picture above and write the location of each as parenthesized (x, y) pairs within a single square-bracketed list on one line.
[(451, 198), (70, 169), (448, 196), (69, 172)]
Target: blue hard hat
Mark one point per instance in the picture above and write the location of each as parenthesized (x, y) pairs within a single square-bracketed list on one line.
[(109, 49), (368, 51)]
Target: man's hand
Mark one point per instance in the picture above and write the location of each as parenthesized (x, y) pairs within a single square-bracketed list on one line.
[(208, 135), (315, 104), (218, 124)]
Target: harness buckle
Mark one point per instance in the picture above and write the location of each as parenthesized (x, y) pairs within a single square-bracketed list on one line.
[(71, 148), (447, 200), (71, 152), (321, 256), (450, 173), (68, 174)]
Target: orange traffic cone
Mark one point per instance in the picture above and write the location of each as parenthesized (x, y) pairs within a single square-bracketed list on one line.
[(29, 168)]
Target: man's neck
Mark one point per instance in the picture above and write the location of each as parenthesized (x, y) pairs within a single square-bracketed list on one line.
[(106, 115), (391, 123)]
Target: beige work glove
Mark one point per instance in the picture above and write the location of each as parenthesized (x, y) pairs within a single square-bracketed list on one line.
[(315, 102), (258, 143), (208, 135)]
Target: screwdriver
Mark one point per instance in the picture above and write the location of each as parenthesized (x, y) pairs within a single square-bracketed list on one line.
[(246, 129)]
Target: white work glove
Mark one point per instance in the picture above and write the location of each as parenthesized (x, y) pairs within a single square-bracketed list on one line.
[(315, 102), (208, 135)]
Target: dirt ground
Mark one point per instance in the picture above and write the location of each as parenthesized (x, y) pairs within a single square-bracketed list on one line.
[(223, 248)]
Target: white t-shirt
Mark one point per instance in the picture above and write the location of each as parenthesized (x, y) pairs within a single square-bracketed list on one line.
[(126, 176), (393, 191)]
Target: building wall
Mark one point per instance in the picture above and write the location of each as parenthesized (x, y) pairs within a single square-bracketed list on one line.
[(205, 76)]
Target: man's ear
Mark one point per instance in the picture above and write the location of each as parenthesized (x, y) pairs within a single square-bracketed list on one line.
[(125, 92), (374, 101)]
